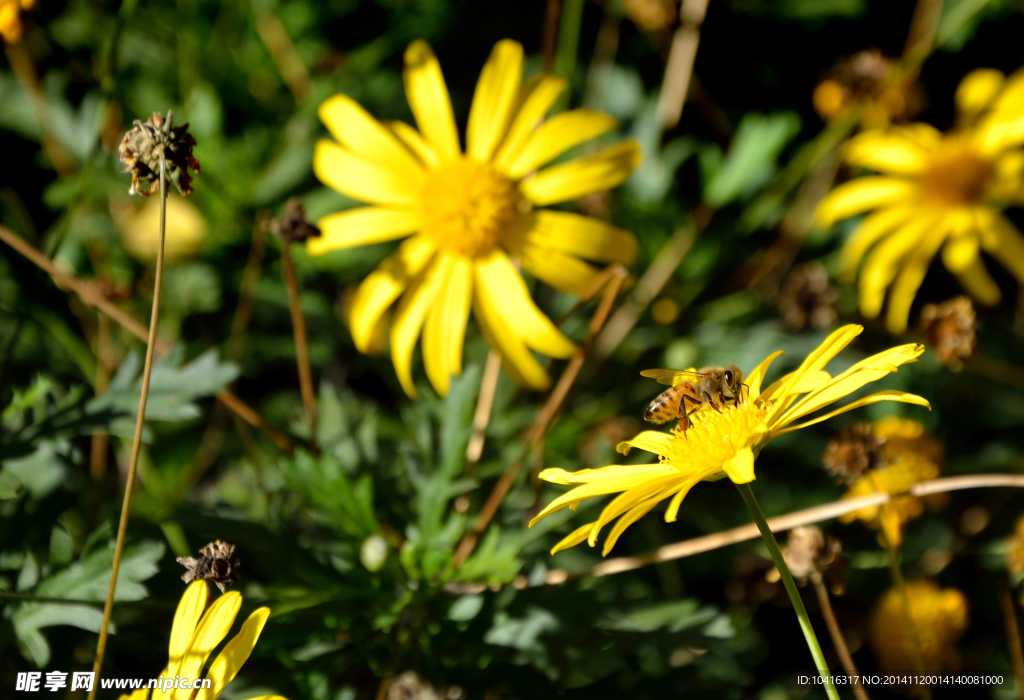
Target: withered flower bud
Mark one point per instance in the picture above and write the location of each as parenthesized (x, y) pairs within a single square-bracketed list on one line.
[(808, 551), (293, 226), (216, 564), (873, 80), (807, 299), (856, 450), (949, 327), (144, 144)]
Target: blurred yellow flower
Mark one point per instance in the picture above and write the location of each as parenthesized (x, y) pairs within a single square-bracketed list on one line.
[(138, 227), (939, 618), (195, 633), (936, 191), (10, 18), (725, 443), (470, 213), (1015, 551), (907, 456)]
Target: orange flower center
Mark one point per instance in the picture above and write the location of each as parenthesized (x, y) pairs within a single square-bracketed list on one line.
[(466, 205), (957, 175)]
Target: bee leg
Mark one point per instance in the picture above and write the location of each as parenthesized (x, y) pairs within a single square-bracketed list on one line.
[(711, 402), (684, 415), (723, 399)]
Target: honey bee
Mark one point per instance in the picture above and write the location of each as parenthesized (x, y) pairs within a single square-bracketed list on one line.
[(692, 389)]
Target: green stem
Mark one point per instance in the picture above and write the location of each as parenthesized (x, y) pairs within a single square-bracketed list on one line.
[(790, 584)]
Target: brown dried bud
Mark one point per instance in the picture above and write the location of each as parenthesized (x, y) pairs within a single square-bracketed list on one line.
[(809, 552), (293, 226), (216, 564), (143, 146), (807, 299), (855, 451), (873, 80), (949, 327)]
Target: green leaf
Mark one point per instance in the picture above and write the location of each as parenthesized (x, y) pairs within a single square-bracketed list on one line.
[(751, 159)]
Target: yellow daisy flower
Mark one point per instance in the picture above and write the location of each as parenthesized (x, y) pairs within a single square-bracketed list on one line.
[(939, 618), (195, 633), (471, 217), (907, 456), (725, 443), (936, 191)]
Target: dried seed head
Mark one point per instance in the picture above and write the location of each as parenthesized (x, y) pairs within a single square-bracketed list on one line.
[(855, 451), (807, 299), (873, 80), (216, 564), (293, 226), (949, 327), (144, 144), (809, 552)]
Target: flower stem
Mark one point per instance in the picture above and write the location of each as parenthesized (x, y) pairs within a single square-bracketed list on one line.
[(301, 342), (129, 487), (837, 635), (787, 579)]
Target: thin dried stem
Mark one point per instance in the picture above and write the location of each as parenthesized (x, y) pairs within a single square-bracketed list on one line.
[(780, 523), (1012, 634), (301, 341), (282, 50), (837, 636), (921, 37), (482, 415), (129, 487), (544, 418), (90, 295), (549, 38), (679, 69), (650, 283)]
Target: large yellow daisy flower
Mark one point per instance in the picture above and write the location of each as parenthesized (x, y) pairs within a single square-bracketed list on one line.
[(725, 443), (471, 215), (195, 633), (936, 191)]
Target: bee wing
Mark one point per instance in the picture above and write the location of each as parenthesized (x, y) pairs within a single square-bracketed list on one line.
[(670, 377)]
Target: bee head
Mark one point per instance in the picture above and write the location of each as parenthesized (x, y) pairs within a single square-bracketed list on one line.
[(733, 379)]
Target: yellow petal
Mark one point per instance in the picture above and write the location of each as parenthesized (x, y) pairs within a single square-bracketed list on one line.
[(415, 142), (600, 482), (556, 136), (909, 280), (536, 99), (892, 526), (860, 195), (214, 626), (559, 270), (978, 89), (495, 96), (582, 236), (816, 360), (410, 315), (672, 512), (740, 469), (596, 173), (756, 376), (655, 489), (576, 537), (625, 521), (383, 286), (445, 329), (517, 359), (362, 180), (1004, 242), (234, 654), (868, 370), (362, 226), (887, 395), (885, 260), (887, 152), (428, 98), (808, 381), (140, 694), (873, 228), (365, 137), (556, 475), (650, 440), (979, 283), (499, 281), (190, 611)]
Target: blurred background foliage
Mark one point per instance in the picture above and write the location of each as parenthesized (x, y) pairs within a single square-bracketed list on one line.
[(353, 548)]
